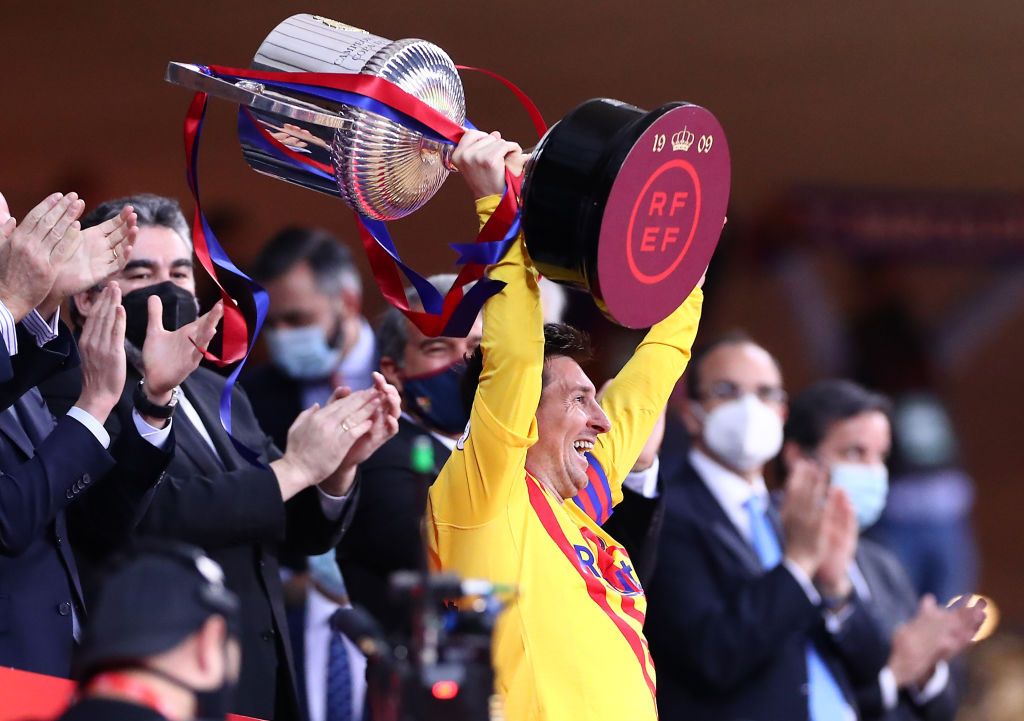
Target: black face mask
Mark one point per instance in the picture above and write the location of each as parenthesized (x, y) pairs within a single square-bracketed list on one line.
[(213, 705), (180, 308)]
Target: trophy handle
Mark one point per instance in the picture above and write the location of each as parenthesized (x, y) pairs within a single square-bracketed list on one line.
[(251, 94)]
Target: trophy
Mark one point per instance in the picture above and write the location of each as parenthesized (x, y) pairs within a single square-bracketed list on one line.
[(625, 204)]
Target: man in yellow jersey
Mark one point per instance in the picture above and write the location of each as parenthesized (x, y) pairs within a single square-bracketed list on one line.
[(571, 648)]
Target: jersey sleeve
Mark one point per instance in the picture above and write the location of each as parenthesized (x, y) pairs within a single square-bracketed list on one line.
[(475, 483), (638, 394)]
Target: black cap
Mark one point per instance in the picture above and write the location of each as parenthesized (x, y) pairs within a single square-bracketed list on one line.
[(153, 599)]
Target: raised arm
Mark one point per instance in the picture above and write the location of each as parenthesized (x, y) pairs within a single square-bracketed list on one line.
[(479, 475), (636, 397)]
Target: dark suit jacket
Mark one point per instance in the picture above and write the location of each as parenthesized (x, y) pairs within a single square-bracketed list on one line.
[(385, 533), (728, 638), (46, 465), (234, 511), (894, 602), (276, 399)]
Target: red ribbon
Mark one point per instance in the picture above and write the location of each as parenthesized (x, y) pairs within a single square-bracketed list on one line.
[(236, 339)]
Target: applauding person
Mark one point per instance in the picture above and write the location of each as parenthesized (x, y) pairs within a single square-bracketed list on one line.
[(212, 496)]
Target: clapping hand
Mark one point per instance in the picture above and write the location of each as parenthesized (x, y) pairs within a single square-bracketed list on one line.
[(384, 423), (35, 251), (170, 356), (841, 533), (100, 251), (803, 515), (101, 347)]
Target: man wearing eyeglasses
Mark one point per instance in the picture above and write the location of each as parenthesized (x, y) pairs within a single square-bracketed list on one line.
[(751, 614)]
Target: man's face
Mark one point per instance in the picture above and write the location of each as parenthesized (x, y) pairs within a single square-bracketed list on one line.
[(424, 355), (159, 255), (863, 439), (569, 420), (297, 302), (732, 371)]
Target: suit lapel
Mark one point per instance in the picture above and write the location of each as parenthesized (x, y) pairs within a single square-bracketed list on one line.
[(719, 526), (194, 445), (11, 427), (205, 397), (35, 416)]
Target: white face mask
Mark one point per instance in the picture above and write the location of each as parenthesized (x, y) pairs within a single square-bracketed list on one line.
[(745, 433)]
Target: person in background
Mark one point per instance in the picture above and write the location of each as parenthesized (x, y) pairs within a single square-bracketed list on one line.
[(162, 644), (331, 670), (752, 614), (846, 428), (386, 531), (315, 333)]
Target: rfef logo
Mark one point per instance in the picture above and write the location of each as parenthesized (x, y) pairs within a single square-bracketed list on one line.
[(663, 221)]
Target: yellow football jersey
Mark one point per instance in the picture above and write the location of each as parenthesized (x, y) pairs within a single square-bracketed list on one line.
[(571, 646)]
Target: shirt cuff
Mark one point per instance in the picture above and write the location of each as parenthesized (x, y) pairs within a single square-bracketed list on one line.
[(156, 437), (805, 583), (933, 687), (9, 329), (644, 482), (43, 331), (332, 506), (94, 426), (890, 691)]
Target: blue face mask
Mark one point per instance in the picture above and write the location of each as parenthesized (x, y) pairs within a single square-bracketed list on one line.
[(324, 570), (866, 485), (302, 353), (437, 398)]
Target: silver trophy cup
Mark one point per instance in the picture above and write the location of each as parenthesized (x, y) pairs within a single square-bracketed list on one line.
[(380, 168)]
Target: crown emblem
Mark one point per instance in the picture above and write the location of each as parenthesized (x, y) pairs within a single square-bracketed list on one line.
[(682, 140)]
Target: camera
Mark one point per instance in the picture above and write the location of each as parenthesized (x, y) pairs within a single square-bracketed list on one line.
[(440, 669)]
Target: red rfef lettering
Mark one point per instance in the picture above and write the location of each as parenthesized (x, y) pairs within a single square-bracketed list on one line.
[(678, 201), (647, 241), (658, 199), (671, 236)]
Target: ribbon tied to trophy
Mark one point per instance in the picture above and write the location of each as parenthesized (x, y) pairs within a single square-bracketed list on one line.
[(625, 204)]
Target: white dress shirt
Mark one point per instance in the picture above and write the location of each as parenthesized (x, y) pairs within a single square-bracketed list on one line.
[(319, 610)]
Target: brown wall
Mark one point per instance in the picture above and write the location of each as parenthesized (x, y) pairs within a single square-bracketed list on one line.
[(911, 95)]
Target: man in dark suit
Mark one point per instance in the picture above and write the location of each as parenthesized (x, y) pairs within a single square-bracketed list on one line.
[(59, 483), (212, 496), (846, 428), (315, 333), (385, 535), (751, 615)]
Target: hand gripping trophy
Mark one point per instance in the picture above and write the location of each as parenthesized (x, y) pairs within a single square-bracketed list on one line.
[(625, 204)]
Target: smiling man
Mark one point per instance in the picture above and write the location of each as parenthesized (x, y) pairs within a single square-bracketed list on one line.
[(539, 468)]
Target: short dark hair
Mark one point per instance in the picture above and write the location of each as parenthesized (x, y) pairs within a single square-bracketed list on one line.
[(560, 339), (153, 211), (328, 258), (813, 412), (692, 378)]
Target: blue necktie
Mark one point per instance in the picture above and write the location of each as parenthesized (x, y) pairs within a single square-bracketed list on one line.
[(826, 700), (339, 680)]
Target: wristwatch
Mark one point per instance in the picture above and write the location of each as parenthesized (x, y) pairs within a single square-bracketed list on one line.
[(147, 407)]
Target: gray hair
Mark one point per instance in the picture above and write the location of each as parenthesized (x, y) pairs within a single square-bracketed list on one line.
[(154, 211)]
